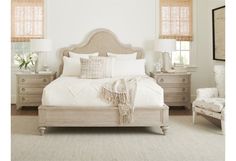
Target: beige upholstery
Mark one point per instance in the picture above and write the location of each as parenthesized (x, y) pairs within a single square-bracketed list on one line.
[(211, 104), (211, 101), (101, 41)]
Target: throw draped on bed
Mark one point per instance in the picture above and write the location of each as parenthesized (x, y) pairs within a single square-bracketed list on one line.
[(121, 93)]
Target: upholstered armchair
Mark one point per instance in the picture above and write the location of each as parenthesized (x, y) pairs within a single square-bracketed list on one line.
[(211, 101)]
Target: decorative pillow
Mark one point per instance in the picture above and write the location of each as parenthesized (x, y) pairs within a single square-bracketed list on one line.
[(108, 63), (76, 55), (128, 67), (92, 68), (71, 66), (123, 56)]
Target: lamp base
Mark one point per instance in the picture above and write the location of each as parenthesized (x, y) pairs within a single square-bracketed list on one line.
[(38, 64), (166, 62)]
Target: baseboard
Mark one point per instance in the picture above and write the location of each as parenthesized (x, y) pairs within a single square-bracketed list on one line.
[(13, 99)]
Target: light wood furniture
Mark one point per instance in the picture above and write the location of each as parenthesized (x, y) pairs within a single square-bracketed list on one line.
[(30, 88), (176, 88), (102, 41)]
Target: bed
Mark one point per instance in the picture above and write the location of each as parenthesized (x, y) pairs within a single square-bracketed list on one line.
[(64, 103)]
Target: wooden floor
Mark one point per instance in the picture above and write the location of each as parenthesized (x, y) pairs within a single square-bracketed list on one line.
[(33, 111)]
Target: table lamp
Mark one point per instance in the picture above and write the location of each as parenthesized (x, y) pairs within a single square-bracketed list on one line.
[(40, 47), (165, 46)]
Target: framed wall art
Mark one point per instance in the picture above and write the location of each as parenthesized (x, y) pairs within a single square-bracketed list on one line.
[(218, 28)]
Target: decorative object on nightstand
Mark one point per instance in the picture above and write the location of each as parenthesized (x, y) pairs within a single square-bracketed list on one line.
[(176, 88), (25, 62), (165, 46), (158, 67), (30, 87), (40, 46)]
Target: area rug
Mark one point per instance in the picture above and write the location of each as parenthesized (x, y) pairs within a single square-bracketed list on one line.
[(183, 142)]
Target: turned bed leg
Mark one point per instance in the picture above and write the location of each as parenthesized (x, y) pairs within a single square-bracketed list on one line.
[(42, 130), (164, 129)]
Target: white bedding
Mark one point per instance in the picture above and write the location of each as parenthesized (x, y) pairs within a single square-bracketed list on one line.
[(76, 92)]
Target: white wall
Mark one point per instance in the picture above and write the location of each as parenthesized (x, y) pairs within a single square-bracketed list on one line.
[(69, 21), (134, 22), (204, 76)]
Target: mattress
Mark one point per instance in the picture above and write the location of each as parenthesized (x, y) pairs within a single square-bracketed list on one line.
[(82, 93)]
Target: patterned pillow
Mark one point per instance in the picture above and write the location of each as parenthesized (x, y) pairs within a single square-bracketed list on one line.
[(93, 68), (108, 63)]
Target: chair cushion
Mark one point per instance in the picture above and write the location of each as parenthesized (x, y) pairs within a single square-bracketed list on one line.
[(211, 104)]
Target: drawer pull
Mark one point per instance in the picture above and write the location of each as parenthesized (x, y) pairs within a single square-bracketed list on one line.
[(161, 80), (22, 80), (23, 89), (44, 80), (183, 98), (183, 79), (183, 89)]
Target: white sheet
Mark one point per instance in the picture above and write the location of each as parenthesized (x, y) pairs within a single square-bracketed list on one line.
[(73, 91)]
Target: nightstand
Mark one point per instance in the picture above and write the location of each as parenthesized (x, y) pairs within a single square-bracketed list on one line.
[(176, 87), (30, 87)]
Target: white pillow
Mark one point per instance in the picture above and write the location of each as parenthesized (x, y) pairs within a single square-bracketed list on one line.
[(123, 56), (78, 55), (128, 67), (71, 66)]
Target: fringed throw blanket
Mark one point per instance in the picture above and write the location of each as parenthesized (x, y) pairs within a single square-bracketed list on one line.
[(121, 93)]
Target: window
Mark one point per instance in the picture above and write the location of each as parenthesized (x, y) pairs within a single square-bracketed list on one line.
[(176, 19), (182, 53), (27, 20)]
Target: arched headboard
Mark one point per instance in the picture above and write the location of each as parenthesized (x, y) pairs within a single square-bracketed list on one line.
[(101, 41)]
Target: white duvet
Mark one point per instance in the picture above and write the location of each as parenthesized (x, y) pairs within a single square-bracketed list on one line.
[(73, 91)]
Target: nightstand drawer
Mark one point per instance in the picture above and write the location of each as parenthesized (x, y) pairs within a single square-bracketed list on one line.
[(36, 99), (30, 90), (34, 80), (176, 98), (176, 90), (173, 79)]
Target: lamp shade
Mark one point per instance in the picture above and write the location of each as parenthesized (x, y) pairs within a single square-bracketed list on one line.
[(165, 45), (40, 45)]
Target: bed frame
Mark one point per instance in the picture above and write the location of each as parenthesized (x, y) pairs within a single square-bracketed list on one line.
[(102, 41)]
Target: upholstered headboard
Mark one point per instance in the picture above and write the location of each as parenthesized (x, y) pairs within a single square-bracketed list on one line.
[(101, 41)]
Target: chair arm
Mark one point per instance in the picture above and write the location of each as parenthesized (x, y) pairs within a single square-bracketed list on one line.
[(203, 93)]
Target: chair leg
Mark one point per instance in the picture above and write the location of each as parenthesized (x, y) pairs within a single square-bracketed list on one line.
[(194, 116), (223, 126)]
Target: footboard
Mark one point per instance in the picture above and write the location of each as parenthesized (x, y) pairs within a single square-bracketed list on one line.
[(100, 117)]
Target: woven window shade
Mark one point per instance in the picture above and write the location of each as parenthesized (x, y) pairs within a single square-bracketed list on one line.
[(176, 20), (27, 20)]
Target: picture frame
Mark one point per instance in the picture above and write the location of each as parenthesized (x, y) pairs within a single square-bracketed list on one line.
[(218, 29)]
